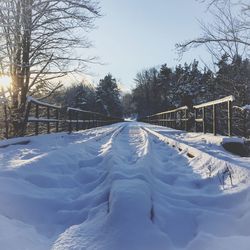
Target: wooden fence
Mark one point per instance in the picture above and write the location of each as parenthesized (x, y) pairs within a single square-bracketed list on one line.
[(170, 118), (214, 104), (82, 119), (218, 116), (42, 118)]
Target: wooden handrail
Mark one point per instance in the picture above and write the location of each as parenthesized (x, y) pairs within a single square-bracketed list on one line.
[(218, 101)]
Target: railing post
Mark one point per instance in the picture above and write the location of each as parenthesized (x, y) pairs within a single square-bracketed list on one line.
[(93, 120), (48, 123), (77, 121), (26, 118), (181, 119), (175, 120), (70, 120), (57, 122), (37, 117), (229, 107), (214, 120), (97, 120), (83, 121), (6, 121), (204, 120), (245, 123), (88, 124), (186, 121), (195, 117)]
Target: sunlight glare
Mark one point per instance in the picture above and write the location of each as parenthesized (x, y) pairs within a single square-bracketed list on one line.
[(5, 81)]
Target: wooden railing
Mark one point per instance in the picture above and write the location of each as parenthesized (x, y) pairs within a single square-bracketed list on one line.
[(83, 119), (43, 113), (214, 104), (206, 117), (48, 118), (169, 118)]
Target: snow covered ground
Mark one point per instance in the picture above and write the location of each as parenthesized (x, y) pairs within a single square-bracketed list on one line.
[(128, 186)]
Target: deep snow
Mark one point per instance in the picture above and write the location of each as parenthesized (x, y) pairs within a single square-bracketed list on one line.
[(124, 186)]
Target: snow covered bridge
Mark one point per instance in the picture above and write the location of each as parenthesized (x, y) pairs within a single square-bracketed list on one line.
[(125, 186)]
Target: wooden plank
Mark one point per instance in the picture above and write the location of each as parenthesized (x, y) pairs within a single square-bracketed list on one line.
[(245, 123), (6, 121), (40, 103), (57, 118), (37, 117), (70, 123), (218, 101), (170, 111), (195, 119), (204, 120), (77, 122), (48, 117), (230, 115), (186, 119), (214, 120)]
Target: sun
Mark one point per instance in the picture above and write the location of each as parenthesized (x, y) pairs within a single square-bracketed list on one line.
[(5, 81)]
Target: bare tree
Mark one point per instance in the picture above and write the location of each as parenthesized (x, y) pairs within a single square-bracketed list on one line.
[(38, 45), (229, 33)]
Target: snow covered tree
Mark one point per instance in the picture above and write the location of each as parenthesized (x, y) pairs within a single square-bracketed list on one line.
[(108, 96), (234, 79), (38, 38), (229, 32), (81, 95)]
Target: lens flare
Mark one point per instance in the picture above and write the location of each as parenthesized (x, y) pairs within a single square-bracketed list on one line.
[(5, 81)]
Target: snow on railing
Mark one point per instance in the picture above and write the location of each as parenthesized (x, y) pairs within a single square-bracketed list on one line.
[(169, 118), (39, 112), (80, 118), (40, 103), (218, 101), (202, 113), (52, 114), (213, 104), (246, 107)]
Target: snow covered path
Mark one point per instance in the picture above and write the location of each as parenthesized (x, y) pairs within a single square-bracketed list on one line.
[(115, 188)]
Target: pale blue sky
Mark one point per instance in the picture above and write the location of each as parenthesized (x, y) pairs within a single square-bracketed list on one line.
[(137, 34)]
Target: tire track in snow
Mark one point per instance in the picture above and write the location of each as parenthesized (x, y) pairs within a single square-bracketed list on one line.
[(160, 177), (195, 203), (47, 194), (125, 189), (128, 210)]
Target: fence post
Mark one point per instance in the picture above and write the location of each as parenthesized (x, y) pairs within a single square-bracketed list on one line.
[(6, 121), (37, 117), (214, 120), (195, 117), (57, 118), (245, 123), (204, 120), (229, 106), (77, 122), (94, 120), (186, 117), (26, 117), (48, 123), (70, 120)]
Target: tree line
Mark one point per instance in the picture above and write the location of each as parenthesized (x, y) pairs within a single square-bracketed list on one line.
[(166, 88), (104, 98)]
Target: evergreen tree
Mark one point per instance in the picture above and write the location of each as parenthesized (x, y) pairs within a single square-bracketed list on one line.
[(108, 96)]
